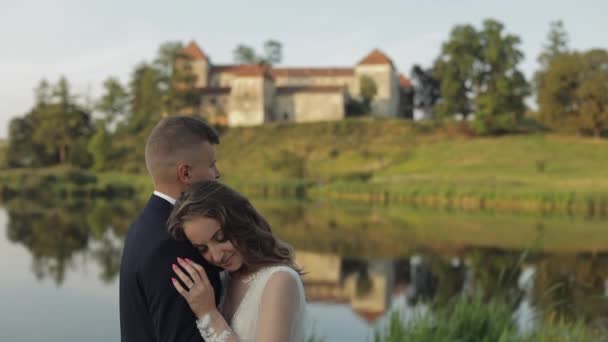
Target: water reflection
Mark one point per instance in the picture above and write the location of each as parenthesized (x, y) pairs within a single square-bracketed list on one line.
[(368, 261)]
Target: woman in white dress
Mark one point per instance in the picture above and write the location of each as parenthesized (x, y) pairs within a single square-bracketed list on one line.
[(263, 297)]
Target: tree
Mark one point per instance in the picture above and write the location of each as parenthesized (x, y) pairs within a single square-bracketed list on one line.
[(114, 103), (368, 91), (21, 151), (146, 98), (244, 54), (100, 147), (478, 73), (456, 69), (177, 84), (426, 89), (572, 96), (592, 95), (502, 86), (557, 43), (273, 54), (557, 87), (42, 93)]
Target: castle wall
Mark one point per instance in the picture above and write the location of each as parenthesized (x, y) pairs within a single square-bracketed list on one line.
[(222, 79), (386, 101), (214, 108), (310, 106), (247, 107), (284, 109)]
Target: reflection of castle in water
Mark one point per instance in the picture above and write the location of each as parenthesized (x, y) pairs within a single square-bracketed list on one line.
[(374, 288), (368, 286)]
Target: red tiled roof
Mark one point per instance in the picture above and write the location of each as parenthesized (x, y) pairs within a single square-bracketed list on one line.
[(308, 89), (310, 72), (369, 316), (376, 57), (193, 51), (404, 82), (252, 70), (224, 68)]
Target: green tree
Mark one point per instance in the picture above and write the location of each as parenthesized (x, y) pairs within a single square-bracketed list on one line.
[(368, 90), (478, 73), (556, 92), (273, 54), (244, 54), (114, 103), (572, 96), (21, 150), (176, 84), (455, 67), (502, 87), (592, 94), (100, 147), (557, 43), (146, 98)]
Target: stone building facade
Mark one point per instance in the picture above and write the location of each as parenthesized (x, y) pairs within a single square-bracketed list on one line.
[(245, 95)]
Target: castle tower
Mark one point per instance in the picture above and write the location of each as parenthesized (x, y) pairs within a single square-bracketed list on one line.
[(380, 68), (251, 96), (196, 62)]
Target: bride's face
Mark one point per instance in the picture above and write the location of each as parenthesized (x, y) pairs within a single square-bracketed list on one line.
[(207, 236)]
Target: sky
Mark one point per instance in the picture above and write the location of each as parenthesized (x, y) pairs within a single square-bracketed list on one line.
[(88, 41)]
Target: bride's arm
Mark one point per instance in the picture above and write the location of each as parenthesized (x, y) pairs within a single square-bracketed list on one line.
[(200, 296), (281, 310)]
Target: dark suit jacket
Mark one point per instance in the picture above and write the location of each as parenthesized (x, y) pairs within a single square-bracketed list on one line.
[(151, 310)]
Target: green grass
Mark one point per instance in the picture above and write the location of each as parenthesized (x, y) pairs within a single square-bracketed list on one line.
[(384, 160), (472, 320)]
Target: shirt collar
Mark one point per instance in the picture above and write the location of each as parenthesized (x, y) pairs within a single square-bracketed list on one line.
[(165, 197)]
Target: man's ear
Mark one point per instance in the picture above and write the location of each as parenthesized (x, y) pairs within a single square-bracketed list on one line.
[(183, 173)]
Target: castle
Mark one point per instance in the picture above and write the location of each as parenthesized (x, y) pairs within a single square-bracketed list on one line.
[(245, 95)]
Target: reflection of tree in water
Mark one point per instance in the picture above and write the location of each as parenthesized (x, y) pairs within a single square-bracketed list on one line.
[(56, 232)]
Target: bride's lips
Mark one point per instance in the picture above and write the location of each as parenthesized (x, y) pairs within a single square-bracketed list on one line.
[(227, 261)]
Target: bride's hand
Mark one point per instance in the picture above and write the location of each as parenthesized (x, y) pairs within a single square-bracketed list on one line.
[(200, 294)]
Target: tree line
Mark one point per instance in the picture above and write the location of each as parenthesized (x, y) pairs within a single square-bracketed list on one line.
[(475, 78)]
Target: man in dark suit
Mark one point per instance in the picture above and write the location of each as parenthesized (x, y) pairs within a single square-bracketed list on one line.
[(179, 152)]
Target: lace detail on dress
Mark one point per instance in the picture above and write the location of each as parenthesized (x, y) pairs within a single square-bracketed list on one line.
[(208, 333)]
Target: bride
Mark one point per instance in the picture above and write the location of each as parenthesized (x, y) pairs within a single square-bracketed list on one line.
[(264, 297)]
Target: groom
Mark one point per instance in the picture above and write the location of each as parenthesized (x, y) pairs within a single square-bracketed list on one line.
[(180, 151)]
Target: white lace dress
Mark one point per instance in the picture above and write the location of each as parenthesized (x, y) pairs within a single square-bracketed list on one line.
[(253, 314)]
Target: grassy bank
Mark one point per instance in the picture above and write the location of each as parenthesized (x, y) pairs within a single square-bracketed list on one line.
[(394, 161), (69, 183)]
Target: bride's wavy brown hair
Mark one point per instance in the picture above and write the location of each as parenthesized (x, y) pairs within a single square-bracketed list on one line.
[(248, 231)]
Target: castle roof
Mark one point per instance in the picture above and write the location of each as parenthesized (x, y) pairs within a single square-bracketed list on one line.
[(311, 72), (376, 57), (369, 316), (252, 70), (287, 90), (404, 82), (193, 51)]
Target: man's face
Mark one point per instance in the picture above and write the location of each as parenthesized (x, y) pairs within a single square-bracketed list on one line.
[(203, 164)]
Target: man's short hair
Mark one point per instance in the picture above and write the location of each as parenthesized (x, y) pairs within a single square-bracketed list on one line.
[(172, 137)]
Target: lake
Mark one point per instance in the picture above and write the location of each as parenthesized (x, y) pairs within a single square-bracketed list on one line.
[(60, 263)]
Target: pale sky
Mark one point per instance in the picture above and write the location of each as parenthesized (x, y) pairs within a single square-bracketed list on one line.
[(87, 41)]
